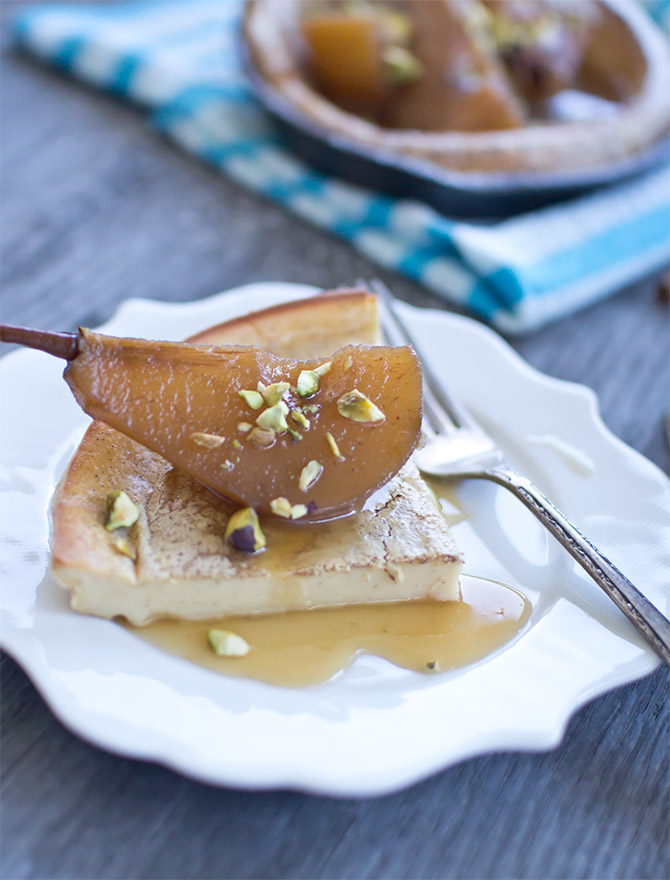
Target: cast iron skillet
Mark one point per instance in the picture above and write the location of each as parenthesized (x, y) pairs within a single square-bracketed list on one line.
[(457, 194)]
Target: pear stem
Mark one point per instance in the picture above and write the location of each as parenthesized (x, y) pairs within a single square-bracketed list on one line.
[(62, 345)]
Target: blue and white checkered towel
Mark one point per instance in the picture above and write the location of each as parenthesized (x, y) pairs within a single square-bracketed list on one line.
[(180, 60)]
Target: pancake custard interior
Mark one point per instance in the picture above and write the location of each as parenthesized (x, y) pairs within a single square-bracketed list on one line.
[(174, 560)]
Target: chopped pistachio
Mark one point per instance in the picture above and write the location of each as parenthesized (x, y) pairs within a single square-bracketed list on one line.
[(244, 427), (296, 435), (348, 363), (356, 406), (227, 644), (311, 407), (308, 383), (261, 438), (398, 28), (309, 475), (299, 418), (335, 449), (121, 511), (260, 387), (281, 507), (274, 393), (252, 398), (432, 666), (274, 418), (227, 465), (505, 31), (324, 369), (236, 444), (124, 546), (244, 532), (402, 66), (209, 441)]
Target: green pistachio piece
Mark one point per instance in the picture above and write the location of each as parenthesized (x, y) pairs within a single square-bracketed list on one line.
[(274, 418), (261, 438), (402, 66), (356, 406), (124, 547), (227, 644), (236, 444), (324, 369), (296, 435), (244, 427), (335, 449), (252, 398), (121, 511), (272, 394), (227, 465), (398, 28), (209, 441), (308, 383), (348, 363), (478, 20), (309, 475), (281, 507), (299, 418), (244, 532)]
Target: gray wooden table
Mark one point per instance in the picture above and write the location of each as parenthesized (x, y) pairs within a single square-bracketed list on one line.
[(95, 208)]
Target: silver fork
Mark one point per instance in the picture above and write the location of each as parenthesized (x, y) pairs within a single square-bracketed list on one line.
[(457, 447)]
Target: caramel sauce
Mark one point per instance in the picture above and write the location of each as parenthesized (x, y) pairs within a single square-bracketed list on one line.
[(446, 498), (301, 648), (297, 544)]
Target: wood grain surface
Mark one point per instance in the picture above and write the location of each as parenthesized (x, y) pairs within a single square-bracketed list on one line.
[(96, 208)]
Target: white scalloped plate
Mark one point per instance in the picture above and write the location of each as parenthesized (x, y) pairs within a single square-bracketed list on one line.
[(373, 728)]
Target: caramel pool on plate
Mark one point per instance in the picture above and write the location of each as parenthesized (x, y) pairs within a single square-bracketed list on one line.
[(300, 648)]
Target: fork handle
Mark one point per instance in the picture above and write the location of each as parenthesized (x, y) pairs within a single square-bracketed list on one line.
[(642, 614)]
